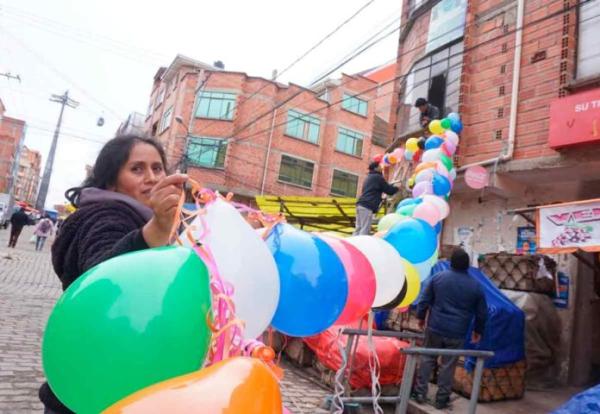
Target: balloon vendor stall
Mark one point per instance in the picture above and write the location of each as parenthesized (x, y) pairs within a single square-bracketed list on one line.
[(177, 329)]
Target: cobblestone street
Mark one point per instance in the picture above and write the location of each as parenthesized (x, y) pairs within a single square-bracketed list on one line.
[(28, 291)]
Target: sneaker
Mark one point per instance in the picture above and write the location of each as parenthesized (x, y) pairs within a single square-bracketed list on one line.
[(440, 405), (419, 398)]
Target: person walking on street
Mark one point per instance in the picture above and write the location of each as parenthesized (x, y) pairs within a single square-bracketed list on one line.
[(428, 111), (370, 199), (42, 231), (127, 204), (17, 221), (452, 298)]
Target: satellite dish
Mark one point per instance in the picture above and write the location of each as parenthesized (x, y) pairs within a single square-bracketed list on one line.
[(100, 121)]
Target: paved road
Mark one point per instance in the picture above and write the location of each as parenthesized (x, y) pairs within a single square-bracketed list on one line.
[(28, 291)]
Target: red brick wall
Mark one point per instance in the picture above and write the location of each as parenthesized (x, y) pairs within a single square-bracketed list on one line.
[(11, 131), (489, 43), (246, 153)]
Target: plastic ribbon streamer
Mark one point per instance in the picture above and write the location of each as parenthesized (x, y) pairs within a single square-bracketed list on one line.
[(374, 368), (336, 400)]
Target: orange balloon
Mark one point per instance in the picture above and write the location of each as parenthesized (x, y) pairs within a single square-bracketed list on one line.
[(424, 166), (236, 385)]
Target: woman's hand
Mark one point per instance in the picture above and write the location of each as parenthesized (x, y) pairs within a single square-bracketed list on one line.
[(164, 199)]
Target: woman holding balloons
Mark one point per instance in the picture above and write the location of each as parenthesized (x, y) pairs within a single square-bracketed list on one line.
[(128, 203)]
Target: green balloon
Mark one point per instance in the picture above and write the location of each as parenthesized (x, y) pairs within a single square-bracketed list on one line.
[(407, 210), (129, 322), (446, 124), (388, 221), (447, 161)]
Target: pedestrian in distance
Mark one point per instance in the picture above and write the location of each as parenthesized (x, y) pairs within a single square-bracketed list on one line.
[(450, 302), (127, 204), (370, 199), (18, 220), (43, 230)]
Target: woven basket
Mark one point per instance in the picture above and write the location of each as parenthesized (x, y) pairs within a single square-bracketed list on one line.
[(518, 272), (497, 384)]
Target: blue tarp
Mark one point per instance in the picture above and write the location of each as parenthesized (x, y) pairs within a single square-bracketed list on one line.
[(586, 402), (505, 328)]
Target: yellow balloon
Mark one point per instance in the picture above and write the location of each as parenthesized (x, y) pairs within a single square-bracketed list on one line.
[(413, 282), (412, 144), (435, 126)]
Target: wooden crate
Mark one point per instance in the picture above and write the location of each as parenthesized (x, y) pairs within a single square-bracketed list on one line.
[(497, 384), (518, 272)]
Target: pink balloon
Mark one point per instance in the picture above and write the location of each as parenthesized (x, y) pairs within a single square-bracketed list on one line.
[(285, 411), (361, 279), (424, 187), (428, 212), (451, 137), (398, 153)]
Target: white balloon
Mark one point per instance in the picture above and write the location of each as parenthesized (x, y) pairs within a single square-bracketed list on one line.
[(431, 155), (452, 137), (244, 260), (439, 203), (387, 264)]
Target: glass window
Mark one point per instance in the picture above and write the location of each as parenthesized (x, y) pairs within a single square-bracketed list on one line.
[(296, 171), (165, 122), (354, 104), (588, 55), (160, 98), (344, 184), (216, 105), (207, 152), (350, 142), (303, 126)]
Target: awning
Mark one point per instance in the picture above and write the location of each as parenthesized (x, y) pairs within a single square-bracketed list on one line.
[(333, 214)]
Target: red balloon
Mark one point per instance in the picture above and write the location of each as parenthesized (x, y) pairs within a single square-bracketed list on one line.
[(361, 279), (417, 156)]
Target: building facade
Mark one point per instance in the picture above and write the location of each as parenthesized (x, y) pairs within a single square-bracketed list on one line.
[(133, 125), (12, 136), (503, 64), (28, 176), (248, 135)]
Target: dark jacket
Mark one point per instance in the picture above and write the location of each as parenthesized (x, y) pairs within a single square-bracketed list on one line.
[(431, 113), (373, 187), (453, 298), (19, 219), (106, 225)]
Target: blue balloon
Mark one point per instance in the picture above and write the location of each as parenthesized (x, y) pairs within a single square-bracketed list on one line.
[(441, 185), (453, 116), (313, 282), (433, 142), (408, 155), (408, 202), (456, 126), (414, 239), (424, 269), (438, 227)]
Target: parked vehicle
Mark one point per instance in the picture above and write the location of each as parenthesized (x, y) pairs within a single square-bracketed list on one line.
[(5, 210)]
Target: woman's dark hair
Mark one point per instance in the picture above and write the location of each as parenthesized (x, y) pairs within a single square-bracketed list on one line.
[(112, 157)]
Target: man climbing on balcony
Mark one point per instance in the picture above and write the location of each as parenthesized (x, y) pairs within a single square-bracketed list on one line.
[(370, 199), (429, 112), (452, 298)]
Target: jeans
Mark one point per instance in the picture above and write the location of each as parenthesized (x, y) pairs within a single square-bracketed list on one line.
[(364, 219), (39, 243), (446, 368)]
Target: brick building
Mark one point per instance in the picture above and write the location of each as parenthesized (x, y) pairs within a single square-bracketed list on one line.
[(12, 135), (472, 57), (251, 135), (28, 176)]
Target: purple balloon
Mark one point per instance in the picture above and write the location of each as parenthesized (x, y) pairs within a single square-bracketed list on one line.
[(424, 187)]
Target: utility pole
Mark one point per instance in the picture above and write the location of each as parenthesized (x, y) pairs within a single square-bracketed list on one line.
[(63, 100)]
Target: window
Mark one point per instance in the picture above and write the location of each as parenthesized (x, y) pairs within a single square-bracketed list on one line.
[(354, 104), (295, 171), (160, 98), (216, 105), (165, 122), (349, 141), (344, 184), (207, 152), (436, 78), (588, 58), (149, 110), (302, 126)]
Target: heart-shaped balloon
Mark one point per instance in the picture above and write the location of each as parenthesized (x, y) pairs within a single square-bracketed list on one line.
[(235, 385), (129, 322)]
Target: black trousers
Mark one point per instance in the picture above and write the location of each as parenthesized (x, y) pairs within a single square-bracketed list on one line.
[(15, 232)]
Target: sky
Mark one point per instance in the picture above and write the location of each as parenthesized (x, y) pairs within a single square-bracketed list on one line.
[(106, 52)]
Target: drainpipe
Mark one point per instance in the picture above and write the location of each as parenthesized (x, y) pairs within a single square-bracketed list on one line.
[(268, 154), (514, 98)]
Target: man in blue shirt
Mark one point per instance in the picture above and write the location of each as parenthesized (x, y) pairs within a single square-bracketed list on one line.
[(452, 298)]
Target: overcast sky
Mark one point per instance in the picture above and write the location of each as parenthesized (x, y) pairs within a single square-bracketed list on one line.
[(105, 52)]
